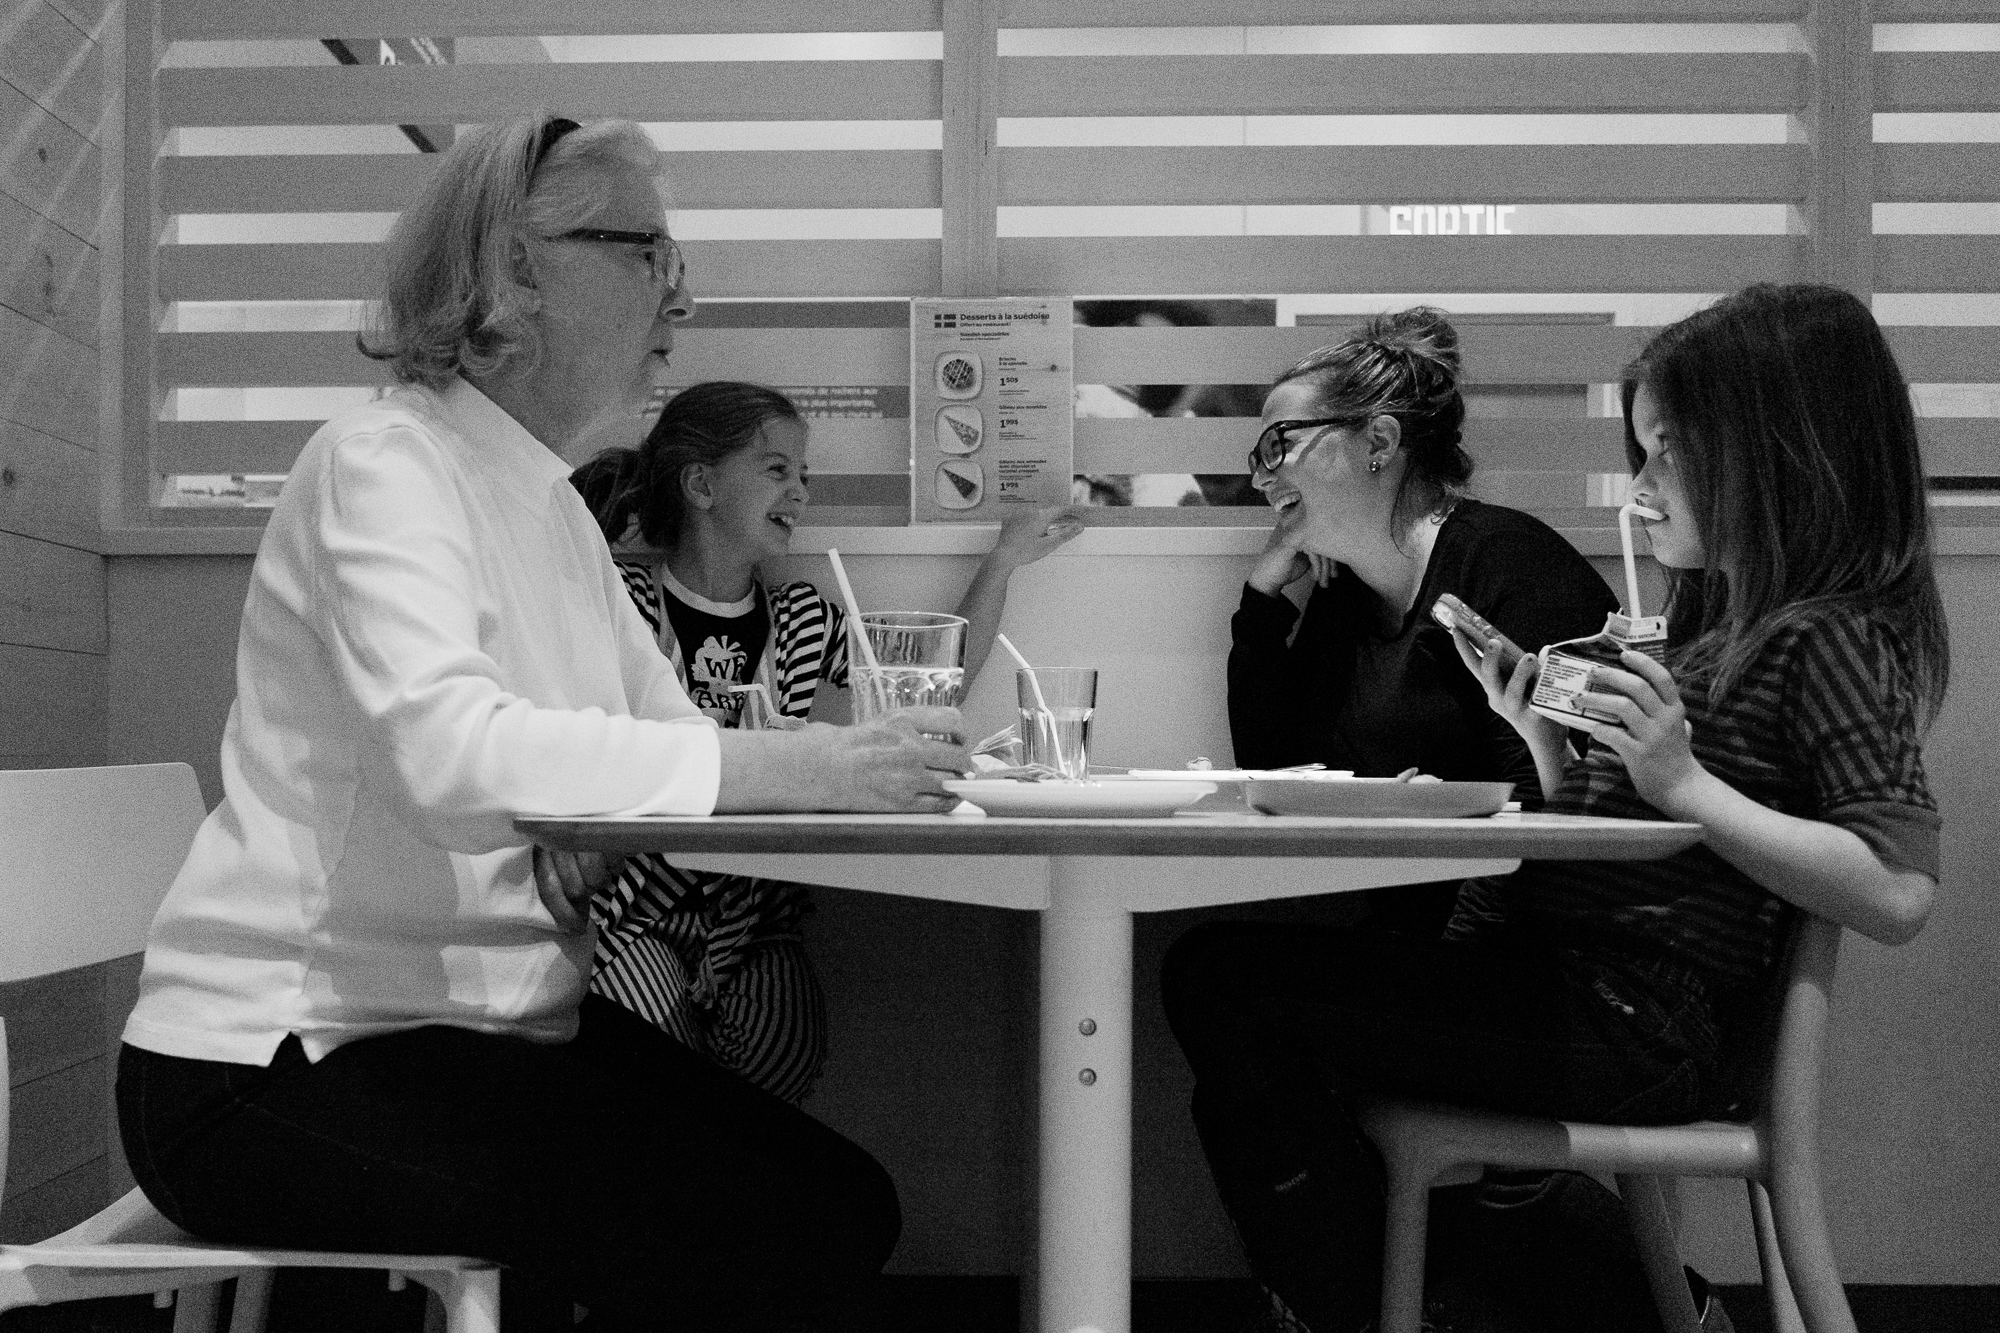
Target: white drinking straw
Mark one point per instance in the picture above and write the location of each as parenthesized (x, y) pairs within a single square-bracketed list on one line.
[(854, 614), (1625, 516), (1036, 685)]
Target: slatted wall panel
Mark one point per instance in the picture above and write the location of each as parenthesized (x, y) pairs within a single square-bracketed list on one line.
[(1545, 464), (1825, 83), (1930, 279), (52, 588), (680, 92)]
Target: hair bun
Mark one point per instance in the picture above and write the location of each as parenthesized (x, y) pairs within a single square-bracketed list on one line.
[(1421, 332)]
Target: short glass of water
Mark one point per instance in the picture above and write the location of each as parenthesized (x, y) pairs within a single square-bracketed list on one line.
[(920, 656), (1058, 735)]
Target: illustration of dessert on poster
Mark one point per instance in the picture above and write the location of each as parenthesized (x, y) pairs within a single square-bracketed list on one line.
[(990, 406)]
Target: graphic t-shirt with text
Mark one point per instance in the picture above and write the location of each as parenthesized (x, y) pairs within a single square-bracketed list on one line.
[(721, 642)]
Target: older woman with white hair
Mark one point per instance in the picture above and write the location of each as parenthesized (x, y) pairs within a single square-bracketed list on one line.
[(362, 1023)]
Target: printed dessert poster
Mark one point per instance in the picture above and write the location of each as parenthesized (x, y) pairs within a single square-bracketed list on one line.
[(991, 384)]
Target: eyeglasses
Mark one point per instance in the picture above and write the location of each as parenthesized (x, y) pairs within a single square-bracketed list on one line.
[(669, 265), (1269, 452)]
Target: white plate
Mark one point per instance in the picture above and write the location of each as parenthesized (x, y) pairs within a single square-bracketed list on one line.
[(1004, 796), (1376, 798), (1235, 774)]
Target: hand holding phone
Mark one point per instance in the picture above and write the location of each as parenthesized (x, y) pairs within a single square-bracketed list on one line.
[(1452, 613)]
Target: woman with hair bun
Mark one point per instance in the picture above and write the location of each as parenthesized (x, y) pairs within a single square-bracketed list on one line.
[(1360, 455)]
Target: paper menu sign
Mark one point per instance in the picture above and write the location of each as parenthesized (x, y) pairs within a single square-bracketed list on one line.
[(992, 383)]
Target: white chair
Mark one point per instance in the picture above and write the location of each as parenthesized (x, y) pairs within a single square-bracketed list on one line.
[(1776, 1152), (86, 854)]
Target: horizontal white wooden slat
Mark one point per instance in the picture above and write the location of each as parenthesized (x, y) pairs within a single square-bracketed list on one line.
[(799, 269), (444, 94), (1302, 13), (1388, 173), (1219, 444), (1264, 85), (1936, 11), (1494, 354), (839, 447), (1948, 353), (768, 356), (1937, 81), (1937, 263), (1236, 265), (49, 381), (218, 20), (1937, 172), (386, 182), (47, 165), (1961, 446)]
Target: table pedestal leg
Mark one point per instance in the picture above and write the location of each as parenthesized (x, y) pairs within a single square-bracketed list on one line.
[(1085, 1271)]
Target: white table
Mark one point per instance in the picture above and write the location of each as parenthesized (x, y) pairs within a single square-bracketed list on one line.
[(1087, 877)]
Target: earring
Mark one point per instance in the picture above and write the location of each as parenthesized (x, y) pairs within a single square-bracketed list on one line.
[(1375, 465)]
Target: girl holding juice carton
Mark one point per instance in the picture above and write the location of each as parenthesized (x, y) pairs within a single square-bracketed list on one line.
[(1773, 436), (717, 488)]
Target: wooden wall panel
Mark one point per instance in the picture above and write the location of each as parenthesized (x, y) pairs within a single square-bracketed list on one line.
[(1219, 444), (48, 487), (1264, 85), (47, 274), (1494, 354), (1942, 354), (49, 59), (46, 164), (52, 708), (52, 597), (1961, 447), (1937, 172), (1383, 173), (430, 94), (1937, 263), (53, 385)]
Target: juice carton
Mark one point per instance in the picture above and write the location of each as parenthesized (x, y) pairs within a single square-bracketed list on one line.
[(1569, 668)]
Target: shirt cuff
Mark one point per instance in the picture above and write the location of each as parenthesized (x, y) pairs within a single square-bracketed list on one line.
[(690, 763), (1278, 610), (1903, 837)]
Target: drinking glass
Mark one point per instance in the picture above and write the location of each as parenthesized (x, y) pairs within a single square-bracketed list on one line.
[(1060, 737), (921, 655)]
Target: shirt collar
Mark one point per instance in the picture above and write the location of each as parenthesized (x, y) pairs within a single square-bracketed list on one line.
[(503, 443)]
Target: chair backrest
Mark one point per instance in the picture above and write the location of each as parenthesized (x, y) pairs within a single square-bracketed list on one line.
[(86, 854)]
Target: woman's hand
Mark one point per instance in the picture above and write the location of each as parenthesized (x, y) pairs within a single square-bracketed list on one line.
[(1283, 563), (566, 882), (897, 763), (1027, 536), (1651, 731)]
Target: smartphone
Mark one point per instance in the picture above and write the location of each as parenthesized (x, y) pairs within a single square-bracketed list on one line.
[(1450, 612)]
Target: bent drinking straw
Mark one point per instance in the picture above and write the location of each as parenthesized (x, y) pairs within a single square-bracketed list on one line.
[(1625, 517), (1015, 653), (860, 629)]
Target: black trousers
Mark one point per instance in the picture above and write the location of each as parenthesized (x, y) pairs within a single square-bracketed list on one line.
[(1281, 1024), (621, 1170)]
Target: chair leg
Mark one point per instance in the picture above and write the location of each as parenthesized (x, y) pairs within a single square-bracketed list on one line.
[(196, 1308), (1653, 1231), (1408, 1220), (473, 1305), (1800, 1222), (1777, 1283), (252, 1306)]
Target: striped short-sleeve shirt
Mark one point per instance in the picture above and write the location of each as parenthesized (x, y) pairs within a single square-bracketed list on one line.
[(1823, 726)]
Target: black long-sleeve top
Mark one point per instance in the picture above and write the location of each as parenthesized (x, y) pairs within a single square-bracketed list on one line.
[(1349, 693)]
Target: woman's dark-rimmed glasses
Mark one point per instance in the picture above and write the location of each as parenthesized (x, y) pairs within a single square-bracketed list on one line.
[(1270, 450), (669, 265)]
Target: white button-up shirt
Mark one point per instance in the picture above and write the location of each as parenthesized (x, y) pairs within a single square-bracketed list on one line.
[(435, 639)]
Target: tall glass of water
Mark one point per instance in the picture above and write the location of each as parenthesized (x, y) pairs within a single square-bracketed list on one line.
[(1058, 738), (921, 655)]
